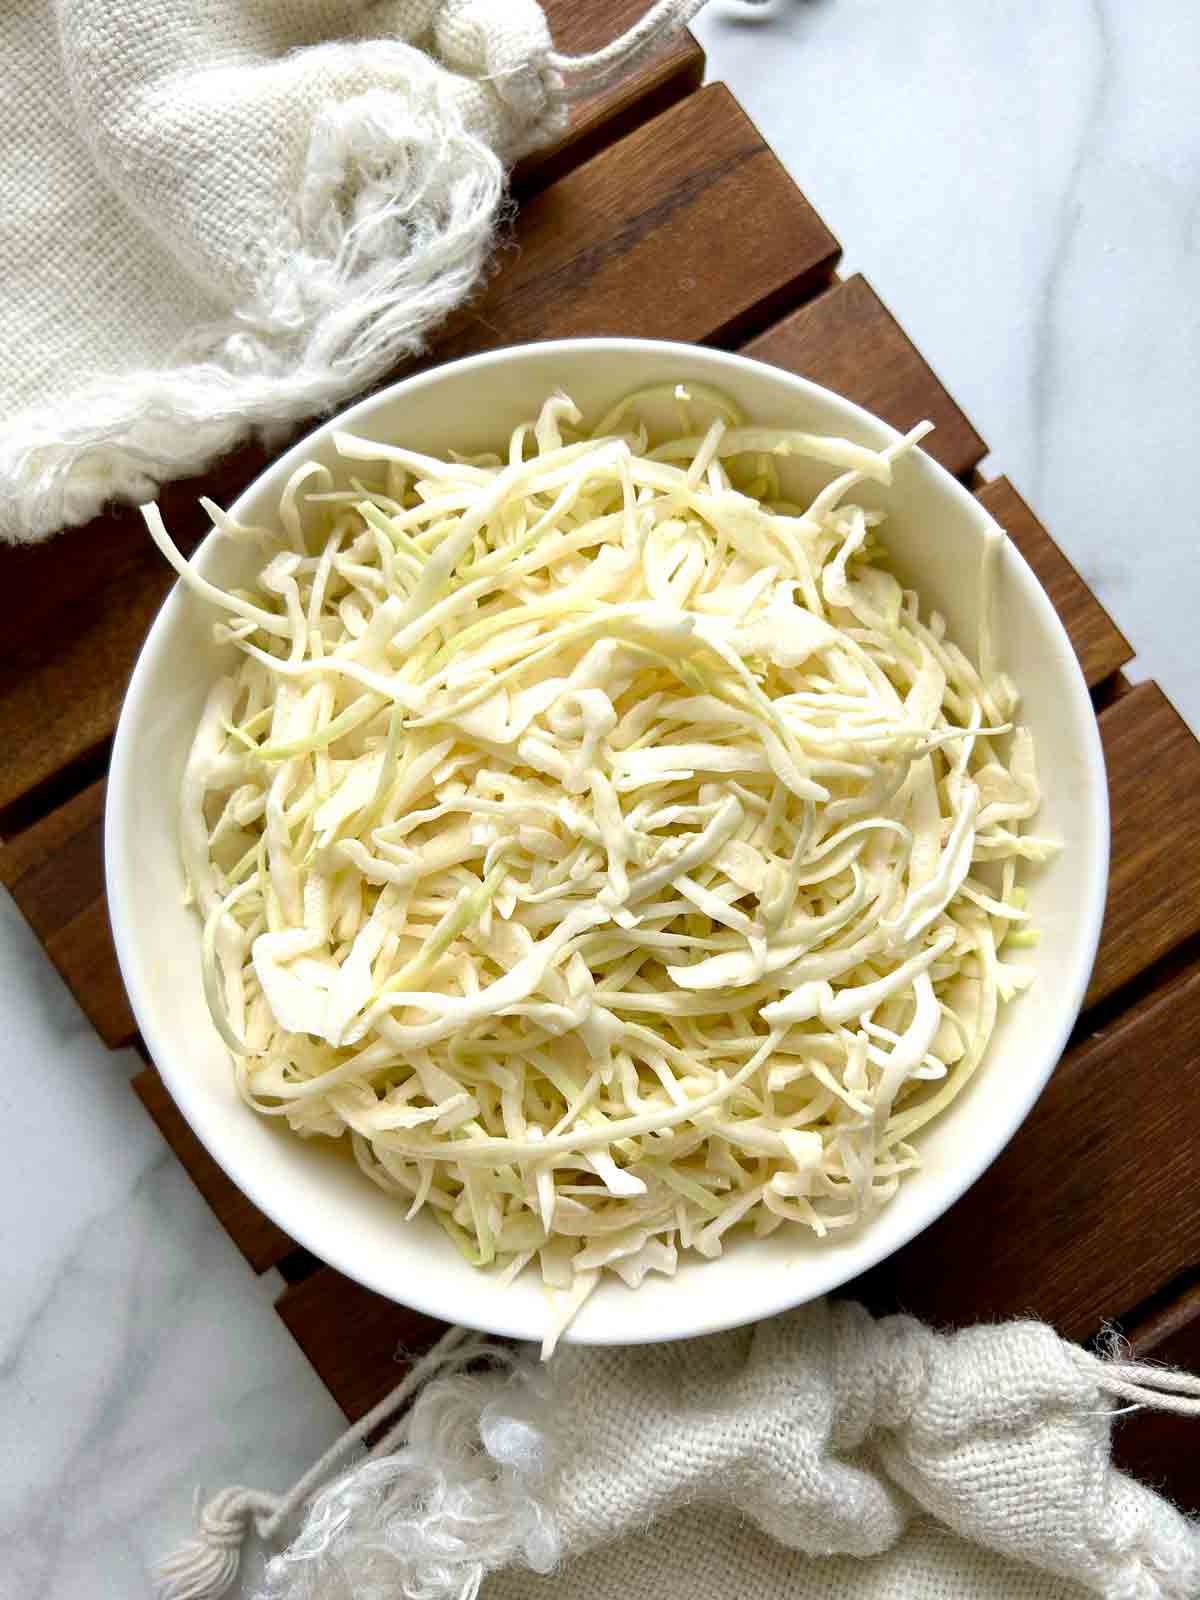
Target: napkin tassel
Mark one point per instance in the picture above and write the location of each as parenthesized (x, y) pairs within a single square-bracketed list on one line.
[(205, 1567)]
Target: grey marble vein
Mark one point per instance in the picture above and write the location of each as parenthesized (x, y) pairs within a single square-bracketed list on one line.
[(1064, 231)]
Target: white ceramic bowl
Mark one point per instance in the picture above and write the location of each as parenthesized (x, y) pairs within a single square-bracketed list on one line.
[(935, 531)]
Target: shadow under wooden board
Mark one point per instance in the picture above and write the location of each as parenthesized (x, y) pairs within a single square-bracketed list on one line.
[(623, 228)]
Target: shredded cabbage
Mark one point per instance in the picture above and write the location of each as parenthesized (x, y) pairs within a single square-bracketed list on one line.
[(611, 850)]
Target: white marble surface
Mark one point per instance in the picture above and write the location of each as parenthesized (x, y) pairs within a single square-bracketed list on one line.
[(1021, 183)]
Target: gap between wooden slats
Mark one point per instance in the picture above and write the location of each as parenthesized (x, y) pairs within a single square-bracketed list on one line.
[(688, 228), (57, 867)]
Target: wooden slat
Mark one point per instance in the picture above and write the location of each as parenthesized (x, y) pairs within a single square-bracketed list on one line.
[(88, 598), (684, 230), (1156, 1447), (600, 119), (55, 871), (56, 868), (1171, 1334), (847, 340), (1153, 763), (688, 229), (256, 1236), (1091, 1208), (83, 952), (355, 1340), (1100, 645)]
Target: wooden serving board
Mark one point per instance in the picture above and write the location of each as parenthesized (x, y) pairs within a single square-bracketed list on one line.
[(662, 212)]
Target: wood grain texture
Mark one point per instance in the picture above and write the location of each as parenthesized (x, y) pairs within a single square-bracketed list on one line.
[(261, 1242), (683, 230), (1158, 1448), (55, 872), (356, 1341), (1100, 645), (1153, 762), (847, 340), (1170, 1334), (56, 868), (88, 598), (1091, 1207), (688, 229), (577, 29), (84, 953)]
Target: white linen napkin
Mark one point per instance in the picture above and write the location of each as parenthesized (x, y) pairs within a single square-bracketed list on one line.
[(219, 219), (817, 1456)]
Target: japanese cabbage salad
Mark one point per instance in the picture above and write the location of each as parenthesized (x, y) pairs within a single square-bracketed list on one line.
[(610, 848)]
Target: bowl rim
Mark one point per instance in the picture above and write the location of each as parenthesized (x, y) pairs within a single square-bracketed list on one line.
[(713, 1313)]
